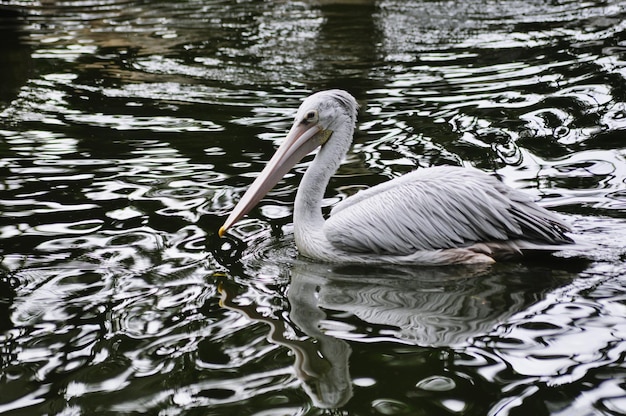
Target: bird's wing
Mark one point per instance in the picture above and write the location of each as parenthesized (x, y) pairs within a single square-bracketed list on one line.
[(439, 208)]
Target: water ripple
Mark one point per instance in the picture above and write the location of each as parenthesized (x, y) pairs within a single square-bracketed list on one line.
[(132, 129)]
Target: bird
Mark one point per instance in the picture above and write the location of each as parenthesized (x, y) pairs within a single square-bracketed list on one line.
[(431, 216)]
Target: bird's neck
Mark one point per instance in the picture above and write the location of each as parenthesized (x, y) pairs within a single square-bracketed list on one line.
[(308, 203), (308, 219)]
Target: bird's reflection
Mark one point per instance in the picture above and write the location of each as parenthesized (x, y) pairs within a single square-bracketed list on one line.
[(426, 307), (321, 361)]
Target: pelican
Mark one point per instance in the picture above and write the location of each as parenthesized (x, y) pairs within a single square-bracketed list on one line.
[(431, 216)]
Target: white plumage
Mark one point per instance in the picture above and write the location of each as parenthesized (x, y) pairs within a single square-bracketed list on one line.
[(439, 215)]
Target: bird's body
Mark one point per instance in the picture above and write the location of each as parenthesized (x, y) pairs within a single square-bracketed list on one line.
[(440, 215)]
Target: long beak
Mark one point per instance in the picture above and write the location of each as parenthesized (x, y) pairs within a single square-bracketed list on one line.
[(301, 140)]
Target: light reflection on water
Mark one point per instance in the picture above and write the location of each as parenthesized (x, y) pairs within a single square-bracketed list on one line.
[(130, 129)]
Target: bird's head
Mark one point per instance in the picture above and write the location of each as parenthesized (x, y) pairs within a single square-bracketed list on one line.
[(318, 117), (328, 111)]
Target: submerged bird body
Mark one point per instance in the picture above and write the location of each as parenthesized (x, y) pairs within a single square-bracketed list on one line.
[(440, 215)]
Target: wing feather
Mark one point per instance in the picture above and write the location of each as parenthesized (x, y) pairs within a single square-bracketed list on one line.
[(439, 208)]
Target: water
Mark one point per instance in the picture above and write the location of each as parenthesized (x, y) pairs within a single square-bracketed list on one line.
[(129, 129)]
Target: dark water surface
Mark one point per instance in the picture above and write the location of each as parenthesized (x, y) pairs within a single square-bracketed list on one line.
[(129, 129)]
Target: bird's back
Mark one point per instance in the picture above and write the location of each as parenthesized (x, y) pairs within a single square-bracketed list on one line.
[(440, 208)]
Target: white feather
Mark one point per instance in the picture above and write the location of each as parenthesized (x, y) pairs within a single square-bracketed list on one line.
[(439, 208)]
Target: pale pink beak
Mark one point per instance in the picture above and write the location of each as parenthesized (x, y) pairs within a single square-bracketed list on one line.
[(301, 140)]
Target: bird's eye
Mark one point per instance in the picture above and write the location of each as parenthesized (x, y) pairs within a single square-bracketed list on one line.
[(310, 117)]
